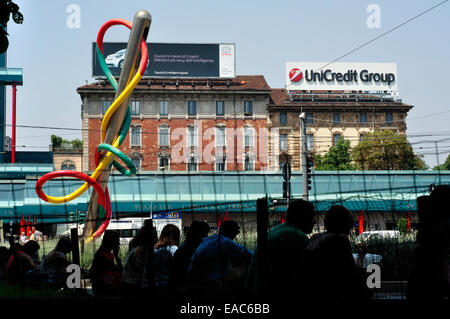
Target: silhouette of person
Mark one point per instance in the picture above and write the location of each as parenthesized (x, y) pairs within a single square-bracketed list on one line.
[(106, 275), (286, 248), (21, 261), (182, 257), (330, 269), (5, 254), (54, 264), (429, 279), (215, 256), (134, 274), (165, 248)]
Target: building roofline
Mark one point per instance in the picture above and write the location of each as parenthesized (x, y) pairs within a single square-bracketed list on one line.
[(241, 83), (280, 98)]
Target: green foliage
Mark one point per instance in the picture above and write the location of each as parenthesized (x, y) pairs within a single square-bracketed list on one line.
[(76, 143), (444, 166), (402, 226), (58, 141), (7, 9), (386, 150), (337, 158)]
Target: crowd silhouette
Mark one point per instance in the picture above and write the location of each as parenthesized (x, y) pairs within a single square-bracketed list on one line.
[(430, 278), (208, 265)]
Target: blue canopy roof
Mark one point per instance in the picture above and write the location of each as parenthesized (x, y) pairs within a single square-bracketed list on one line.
[(371, 191), (11, 75)]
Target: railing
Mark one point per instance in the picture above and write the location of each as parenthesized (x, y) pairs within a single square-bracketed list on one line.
[(343, 96)]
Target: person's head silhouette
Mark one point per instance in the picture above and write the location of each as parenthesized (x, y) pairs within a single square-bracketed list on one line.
[(64, 245), (338, 220), (170, 236), (111, 240), (197, 231), (229, 228), (300, 214), (31, 248)]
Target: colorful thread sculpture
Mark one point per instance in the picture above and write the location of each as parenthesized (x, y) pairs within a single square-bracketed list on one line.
[(104, 203)]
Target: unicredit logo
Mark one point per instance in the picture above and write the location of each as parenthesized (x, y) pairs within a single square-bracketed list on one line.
[(295, 75)]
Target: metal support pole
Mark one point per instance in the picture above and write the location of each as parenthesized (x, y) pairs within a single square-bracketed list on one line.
[(140, 29), (149, 257), (75, 247), (13, 146), (304, 155), (1, 232), (262, 225)]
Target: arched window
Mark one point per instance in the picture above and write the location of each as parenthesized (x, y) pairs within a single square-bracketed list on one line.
[(68, 164)]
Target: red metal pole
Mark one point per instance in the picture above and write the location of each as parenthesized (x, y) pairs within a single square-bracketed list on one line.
[(22, 225), (409, 222), (28, 227), (361, 222), (219, 221), (13, 146)]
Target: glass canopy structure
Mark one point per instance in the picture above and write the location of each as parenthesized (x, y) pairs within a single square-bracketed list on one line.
[(153, 192)]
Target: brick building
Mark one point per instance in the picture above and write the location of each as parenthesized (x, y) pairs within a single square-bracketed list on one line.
[(179, 125), (329, 115)]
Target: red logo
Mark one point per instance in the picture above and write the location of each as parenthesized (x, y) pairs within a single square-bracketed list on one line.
[(295, 75)]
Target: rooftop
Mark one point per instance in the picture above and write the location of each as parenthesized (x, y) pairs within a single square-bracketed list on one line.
[(239, 83), (281, 97)]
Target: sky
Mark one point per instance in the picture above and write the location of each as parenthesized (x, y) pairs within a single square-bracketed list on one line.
[(56, 56)]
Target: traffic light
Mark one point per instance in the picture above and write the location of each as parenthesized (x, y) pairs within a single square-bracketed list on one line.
[(82, 217), (309, 166)]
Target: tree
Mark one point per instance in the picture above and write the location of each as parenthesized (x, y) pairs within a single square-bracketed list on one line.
[(337, 158), (58, 141), (444, 166), (7, 9), (77, 143), (402, 226), (386, 150)]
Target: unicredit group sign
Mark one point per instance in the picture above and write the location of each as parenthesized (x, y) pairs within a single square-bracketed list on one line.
[(341, 76)]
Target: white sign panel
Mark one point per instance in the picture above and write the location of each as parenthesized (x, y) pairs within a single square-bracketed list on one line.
[(227, 61), (341, 76)]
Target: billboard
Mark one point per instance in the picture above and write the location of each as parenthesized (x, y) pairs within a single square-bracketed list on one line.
[(341, 76), (178, 60)]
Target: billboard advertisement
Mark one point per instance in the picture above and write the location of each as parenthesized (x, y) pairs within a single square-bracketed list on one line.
[(178, 60), (371, 77)]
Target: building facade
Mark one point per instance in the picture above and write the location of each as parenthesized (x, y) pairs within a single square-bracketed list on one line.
[(67, 158), (185, 125), (329, 115)]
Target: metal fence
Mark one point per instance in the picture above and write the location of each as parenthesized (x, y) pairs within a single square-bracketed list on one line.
[(394, 255)]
